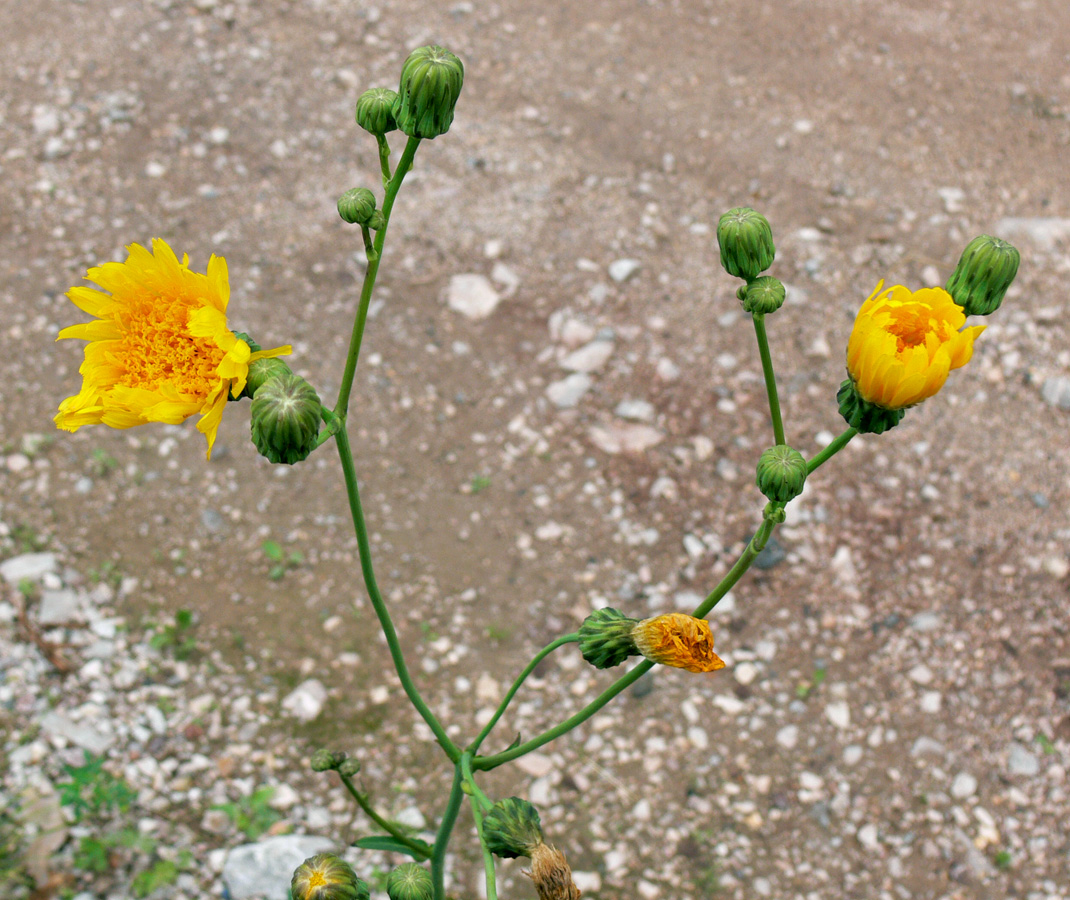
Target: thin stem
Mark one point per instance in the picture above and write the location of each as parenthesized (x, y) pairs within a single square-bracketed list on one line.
[(838, 443), (478, 800), (753, 548), (384, 158), (770, 378), (442, 837), (507, 699), (387, 826), (341, 407), (385, 622)]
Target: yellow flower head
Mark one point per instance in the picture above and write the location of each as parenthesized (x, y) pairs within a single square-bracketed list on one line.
[(551, 875), (904, 344), (678, 640), (159, 348)]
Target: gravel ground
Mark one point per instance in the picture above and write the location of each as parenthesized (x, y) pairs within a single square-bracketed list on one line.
[(559, 408)]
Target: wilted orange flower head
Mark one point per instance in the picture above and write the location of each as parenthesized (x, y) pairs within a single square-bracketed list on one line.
[(678, 640), (551, 875), (159, 347), (904, 344)]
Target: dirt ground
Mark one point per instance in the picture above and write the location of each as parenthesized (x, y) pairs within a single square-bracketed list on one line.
[(877, 137)]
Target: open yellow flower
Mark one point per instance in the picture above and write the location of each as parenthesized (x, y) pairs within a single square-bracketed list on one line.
[(904, 344), (678, 640), (159, 348)]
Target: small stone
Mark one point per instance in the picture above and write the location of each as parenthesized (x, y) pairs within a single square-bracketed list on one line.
[(155, 169), (264, 869), (306, 701), (920, 674), (1056, 392), (589, 358), (788, 736), (636, 410), (620, 270), (931, 702), (1057, 566), (18, 462), (96, 741), (839, 714), (574, 333), (952, 197), (215, 821), (567, 393), (506, 277), (284, 797), (746, 672), (615, 439), (1044, 231), (852, 754), (537, 765), (31, 566), (411, 817), (60, 607), (925, 621), (666, 369), (926, 746), (963, 786), (472, 296), (868, 837), (773, 554), (1021, 762), (587, 882)]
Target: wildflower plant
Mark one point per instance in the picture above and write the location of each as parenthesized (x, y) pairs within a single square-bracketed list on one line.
[(161, 349)]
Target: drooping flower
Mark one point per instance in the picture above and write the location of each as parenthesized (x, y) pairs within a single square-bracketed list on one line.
[(903, 345), (678, 640), (159, 347), (551, 875)]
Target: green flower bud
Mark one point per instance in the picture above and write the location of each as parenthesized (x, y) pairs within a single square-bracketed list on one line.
[(325, 760), (863, 415), (512, 828), (262, 370), (746, 243), (763, 295), (409, 881), (606, 638), (326, 877), (357, 206), (349, 768), (375, 110), (781, 473), (285, 419), (985, 271), (431, 82)]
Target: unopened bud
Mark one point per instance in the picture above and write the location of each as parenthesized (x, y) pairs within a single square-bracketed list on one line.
[(781, 473), (431, 81), (326, 877), (606, 638), (375, 110), (512, 828), (746, 242), (357, 206), (409, 881), (763, 296), (285, 419), (261, 371), (349, 768), (985, 271), (325, 760)]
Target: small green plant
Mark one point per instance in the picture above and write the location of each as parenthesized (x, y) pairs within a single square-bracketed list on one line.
[(252, 815), (27, 539), (160, 874), (93, 791), (1003, 860), (1046, 746), (106, 573), (176, 636), (480, 483), (282, 562), (805, 689), (102, 463)]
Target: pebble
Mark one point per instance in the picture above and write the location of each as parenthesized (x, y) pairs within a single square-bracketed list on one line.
[(60, 607), (964, 785), (567, 393), (95, 740), (839, 714), (931, 702), (305, 702), (1021, 762), (1044, 231), (788, 736), (746, 672), (615, 438), (620, 270), (588, 358), (925, 621), (31, 566), (852, 754), (868, 837), (1056, 392), (265, 869), (920, 674), (636, 410), (473, 296)]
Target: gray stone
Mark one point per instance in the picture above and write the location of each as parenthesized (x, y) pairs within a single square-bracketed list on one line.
[(88, 737), (264, 870), (589, 358), (622, 269), (1056, 392), (637, 410), (964, 785), (615, 439), (567, 392), (33, 566), (60, 607), (472, 296), (1044, 231), (305, 702), (925, 621), (1021, 762)]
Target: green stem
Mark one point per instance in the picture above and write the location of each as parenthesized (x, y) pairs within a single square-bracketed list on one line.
[(473, 748), (387, 826), (341, 407), (385, 622), (478, 800), (752, 549), (770, 378), (442, 837), (384, 158), (838, 443)]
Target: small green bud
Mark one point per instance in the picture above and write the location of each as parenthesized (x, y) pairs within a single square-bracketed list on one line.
[(253, 345), (781, 473), (375, 110), (409, 881), (325, 760), (357, 206), (327, 877), (285, 419), (985, 271), (866, 417), (512, 828), (746, 243), (349, 767), (431, 82), (606, 638), (762, 296), (262, 370)]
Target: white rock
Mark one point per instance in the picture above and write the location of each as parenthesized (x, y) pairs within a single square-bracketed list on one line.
[(264, 869), (472, 295), (952, 197), (788, 736), (1056, 392), (852, 754), (59, 607), (920, 674), (1021, 762), (589, 358), (587, 882), (1044, 231), (964, 785), (636, 410), (616, 438), (575, 333), (698, 737), (567, 393), (95, 740), (537, 765), (931, 701), (412, 817), (305, 702), (33, 566), (746, 672), (839, 714), (284, 797), (622, 269), (666, 369), (868, 837), (506, 277)]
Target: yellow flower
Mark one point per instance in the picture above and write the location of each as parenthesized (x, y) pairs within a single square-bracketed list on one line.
[(904, 344), (159, 348), (678, 640)]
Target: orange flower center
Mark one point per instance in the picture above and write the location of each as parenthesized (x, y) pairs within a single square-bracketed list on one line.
[(156, 347), (910, 325)]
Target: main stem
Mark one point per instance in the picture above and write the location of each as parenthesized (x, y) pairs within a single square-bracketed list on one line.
[(442, 836), (770, 378), (345, 454)]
